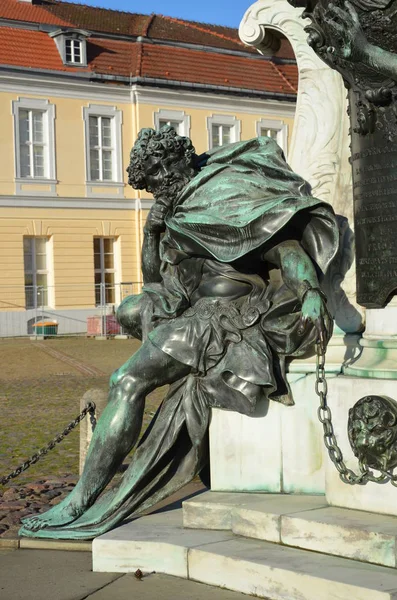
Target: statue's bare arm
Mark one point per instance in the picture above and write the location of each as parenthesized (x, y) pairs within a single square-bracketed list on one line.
[(151, 262), (154, 226), (299, 274)]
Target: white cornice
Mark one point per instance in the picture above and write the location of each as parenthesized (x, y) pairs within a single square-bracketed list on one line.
[(207, 101), (58, 87), (63, 88), (58, 202)]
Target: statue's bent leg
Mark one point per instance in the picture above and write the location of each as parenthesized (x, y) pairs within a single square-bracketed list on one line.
[(116, 432), (129, 314)]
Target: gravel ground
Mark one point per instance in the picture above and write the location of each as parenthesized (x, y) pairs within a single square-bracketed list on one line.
[(39, 396)]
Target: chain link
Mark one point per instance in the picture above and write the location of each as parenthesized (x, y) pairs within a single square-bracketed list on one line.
[(335, 453), (324, 415), (89, 408)]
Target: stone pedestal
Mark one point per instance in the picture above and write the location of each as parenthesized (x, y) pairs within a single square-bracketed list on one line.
[(279, 448), (378, 358)]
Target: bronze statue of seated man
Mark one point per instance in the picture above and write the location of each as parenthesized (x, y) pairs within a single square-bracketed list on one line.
[(234, 249)]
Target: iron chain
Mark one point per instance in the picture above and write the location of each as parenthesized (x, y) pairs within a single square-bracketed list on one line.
[(88, 409), (335, 453)]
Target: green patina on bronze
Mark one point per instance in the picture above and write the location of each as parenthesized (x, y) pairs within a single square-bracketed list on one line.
[(372, 429), (234, 250), (358, 39)]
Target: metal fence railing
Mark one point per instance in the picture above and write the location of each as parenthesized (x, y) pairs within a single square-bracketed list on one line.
[(78, 309)]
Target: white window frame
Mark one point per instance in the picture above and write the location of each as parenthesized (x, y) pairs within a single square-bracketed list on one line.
[(47, 271), (229, 121), (102, 270), (74, 41), (116, 186), (48, 110), (279, 126), (173, 115)]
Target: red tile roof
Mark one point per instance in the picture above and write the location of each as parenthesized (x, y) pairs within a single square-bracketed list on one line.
[(197, 66), (81, 16), (130, 58), (34, 13), (113, 57), (31, 49), (178, 30)]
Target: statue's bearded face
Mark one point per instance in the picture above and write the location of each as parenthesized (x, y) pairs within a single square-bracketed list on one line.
[(167, 176)]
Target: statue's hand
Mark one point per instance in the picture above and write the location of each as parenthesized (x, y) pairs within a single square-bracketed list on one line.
[(345, 26), (314, 311), (155, 219)]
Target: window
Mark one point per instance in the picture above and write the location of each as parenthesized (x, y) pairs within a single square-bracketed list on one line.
[(271, 133), (221, 135), (103, 147), (105, 272), (175, 124), (101, 142), (35, 255), (274, 129), (223, 129), (176, 118), (32, 143), (34, 139), (72, 45), (73, 51)]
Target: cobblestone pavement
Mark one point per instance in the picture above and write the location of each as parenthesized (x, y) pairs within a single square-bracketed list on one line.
[(41, 384)]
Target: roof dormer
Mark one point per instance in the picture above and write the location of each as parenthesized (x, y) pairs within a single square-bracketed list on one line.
[(72, 46)]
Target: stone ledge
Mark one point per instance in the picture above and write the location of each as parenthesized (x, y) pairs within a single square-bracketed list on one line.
[(277, 572), (213, 510), (299, 521), (159, 543), (40, 544), (9, 543)]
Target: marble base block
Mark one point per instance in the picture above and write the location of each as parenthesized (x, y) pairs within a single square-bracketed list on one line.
[(278, 449)]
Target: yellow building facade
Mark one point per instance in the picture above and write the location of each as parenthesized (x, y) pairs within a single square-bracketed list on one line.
[(70, 226)]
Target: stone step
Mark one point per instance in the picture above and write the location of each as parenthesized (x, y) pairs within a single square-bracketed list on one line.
[(157, 542), (266, 570), (305, 522)]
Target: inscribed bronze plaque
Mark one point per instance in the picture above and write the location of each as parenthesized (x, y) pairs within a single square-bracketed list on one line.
[(358, 39), (374, 163)]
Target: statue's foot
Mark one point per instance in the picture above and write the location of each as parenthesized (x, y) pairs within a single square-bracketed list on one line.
[(63, 513)]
